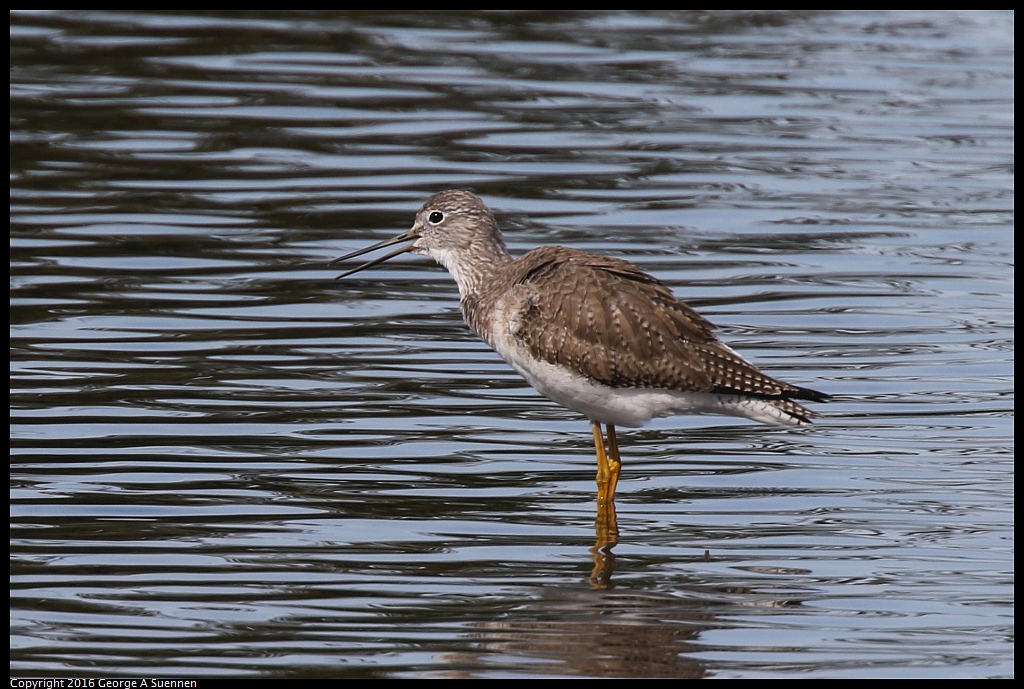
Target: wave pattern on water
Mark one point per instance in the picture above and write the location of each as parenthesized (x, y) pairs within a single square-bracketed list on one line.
[(224, 462)]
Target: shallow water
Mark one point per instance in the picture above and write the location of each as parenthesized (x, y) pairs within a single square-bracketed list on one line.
[(224, 462)]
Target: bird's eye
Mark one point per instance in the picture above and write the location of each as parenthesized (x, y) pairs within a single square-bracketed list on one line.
[(435, 217)]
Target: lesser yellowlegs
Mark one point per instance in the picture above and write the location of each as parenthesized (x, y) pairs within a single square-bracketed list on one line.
[(593, 333)]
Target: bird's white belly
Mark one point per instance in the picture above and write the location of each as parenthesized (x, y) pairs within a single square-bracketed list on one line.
[(617, 406), (631, 407)]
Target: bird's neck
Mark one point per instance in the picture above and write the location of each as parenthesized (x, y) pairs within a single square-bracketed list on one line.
[(476, 265), (481, 270)]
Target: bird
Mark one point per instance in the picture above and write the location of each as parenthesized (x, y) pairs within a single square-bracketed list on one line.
[(593, 333)]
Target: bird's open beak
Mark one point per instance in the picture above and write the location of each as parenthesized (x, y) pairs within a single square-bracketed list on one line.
[(411, 234)]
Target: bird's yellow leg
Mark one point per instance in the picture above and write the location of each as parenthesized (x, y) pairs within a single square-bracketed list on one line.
[(609, 464), (606, 526), (602, 458), (614, 462)]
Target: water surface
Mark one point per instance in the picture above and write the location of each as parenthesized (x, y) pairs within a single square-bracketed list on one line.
[(224, 462)]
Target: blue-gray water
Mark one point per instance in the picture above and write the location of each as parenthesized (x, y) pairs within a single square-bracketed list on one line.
[(224, 462)]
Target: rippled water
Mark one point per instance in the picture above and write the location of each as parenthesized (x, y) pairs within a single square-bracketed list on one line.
[(224, 462)]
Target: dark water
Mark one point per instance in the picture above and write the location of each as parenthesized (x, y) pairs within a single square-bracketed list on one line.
[(223, 462)]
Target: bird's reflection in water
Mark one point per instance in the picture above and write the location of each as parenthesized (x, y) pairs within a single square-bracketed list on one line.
[(606, 532)]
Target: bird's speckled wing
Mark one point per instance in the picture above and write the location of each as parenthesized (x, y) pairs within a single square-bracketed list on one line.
[(620, 326)]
